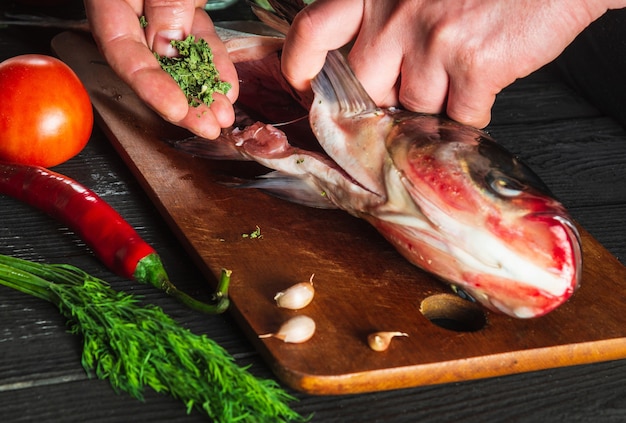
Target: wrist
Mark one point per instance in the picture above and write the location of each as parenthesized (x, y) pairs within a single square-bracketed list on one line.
[(615, 4), (599, 8), (584, 12)]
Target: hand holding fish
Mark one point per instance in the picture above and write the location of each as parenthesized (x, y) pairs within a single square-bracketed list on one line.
[(437, 56), (128, 47)]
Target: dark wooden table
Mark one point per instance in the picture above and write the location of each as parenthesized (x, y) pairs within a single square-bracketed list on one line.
[(579, 152)]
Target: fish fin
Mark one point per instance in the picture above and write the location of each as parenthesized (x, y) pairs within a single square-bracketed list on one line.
[(282, 14), (288, 9), (290, 188), (337, 82), (350, 127), (218, 149), (248, 47)]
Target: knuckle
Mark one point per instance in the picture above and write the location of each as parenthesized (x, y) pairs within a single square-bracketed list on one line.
[(167, 10), (470, 115), (307, 25)]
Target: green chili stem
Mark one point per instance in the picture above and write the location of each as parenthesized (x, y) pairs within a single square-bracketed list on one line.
[(150, 270)]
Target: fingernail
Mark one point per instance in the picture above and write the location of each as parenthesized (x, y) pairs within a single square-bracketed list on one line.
[(162, 42)]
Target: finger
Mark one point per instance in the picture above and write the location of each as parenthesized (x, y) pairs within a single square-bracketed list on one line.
[(320, 27), (470, 99), (376, 54), (378, 76), (222, 108), (112, 19), (116, 28), (423, 86), (167, 20), (205, 121), (160, 92)]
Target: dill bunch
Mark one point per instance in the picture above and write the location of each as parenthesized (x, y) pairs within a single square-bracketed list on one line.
[(137, 346), (194, 71)]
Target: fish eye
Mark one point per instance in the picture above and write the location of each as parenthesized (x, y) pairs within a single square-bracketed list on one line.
[(503, 185)]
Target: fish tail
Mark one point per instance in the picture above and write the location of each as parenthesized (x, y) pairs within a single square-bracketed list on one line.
[(292, 188), (219, 149)]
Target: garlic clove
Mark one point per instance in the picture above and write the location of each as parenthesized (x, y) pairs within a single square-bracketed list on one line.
[(379, 341), (296, 296), (296, 330)]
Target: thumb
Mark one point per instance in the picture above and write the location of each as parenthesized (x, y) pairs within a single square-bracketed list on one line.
[(318, 28), (168, 20)]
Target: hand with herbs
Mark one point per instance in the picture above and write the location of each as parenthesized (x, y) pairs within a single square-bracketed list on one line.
[(129, 32), (445, 56)]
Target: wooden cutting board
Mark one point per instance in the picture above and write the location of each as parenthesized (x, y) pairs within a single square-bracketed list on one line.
[(362, 284)]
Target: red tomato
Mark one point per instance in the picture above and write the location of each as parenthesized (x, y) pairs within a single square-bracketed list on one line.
[(45, 112)]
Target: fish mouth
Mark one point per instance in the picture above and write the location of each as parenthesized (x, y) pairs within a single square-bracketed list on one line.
[(523, 283), (572, 237), (530, 300)]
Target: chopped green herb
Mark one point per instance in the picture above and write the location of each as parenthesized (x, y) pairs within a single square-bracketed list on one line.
[(254, 234), (194, 71), (143, 22), (136, 346)]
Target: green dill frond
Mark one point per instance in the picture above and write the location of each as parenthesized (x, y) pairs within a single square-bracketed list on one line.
[(137, 346)]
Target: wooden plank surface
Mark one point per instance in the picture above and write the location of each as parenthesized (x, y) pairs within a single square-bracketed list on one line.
[(362, 284)]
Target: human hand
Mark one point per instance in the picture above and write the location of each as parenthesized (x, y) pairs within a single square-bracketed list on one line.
[(441, 56), (128, 49)]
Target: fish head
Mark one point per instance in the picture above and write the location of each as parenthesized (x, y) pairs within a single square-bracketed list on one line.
[(487, 223)]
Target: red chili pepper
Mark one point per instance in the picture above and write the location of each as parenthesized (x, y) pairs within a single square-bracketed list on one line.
[(113, 240)]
